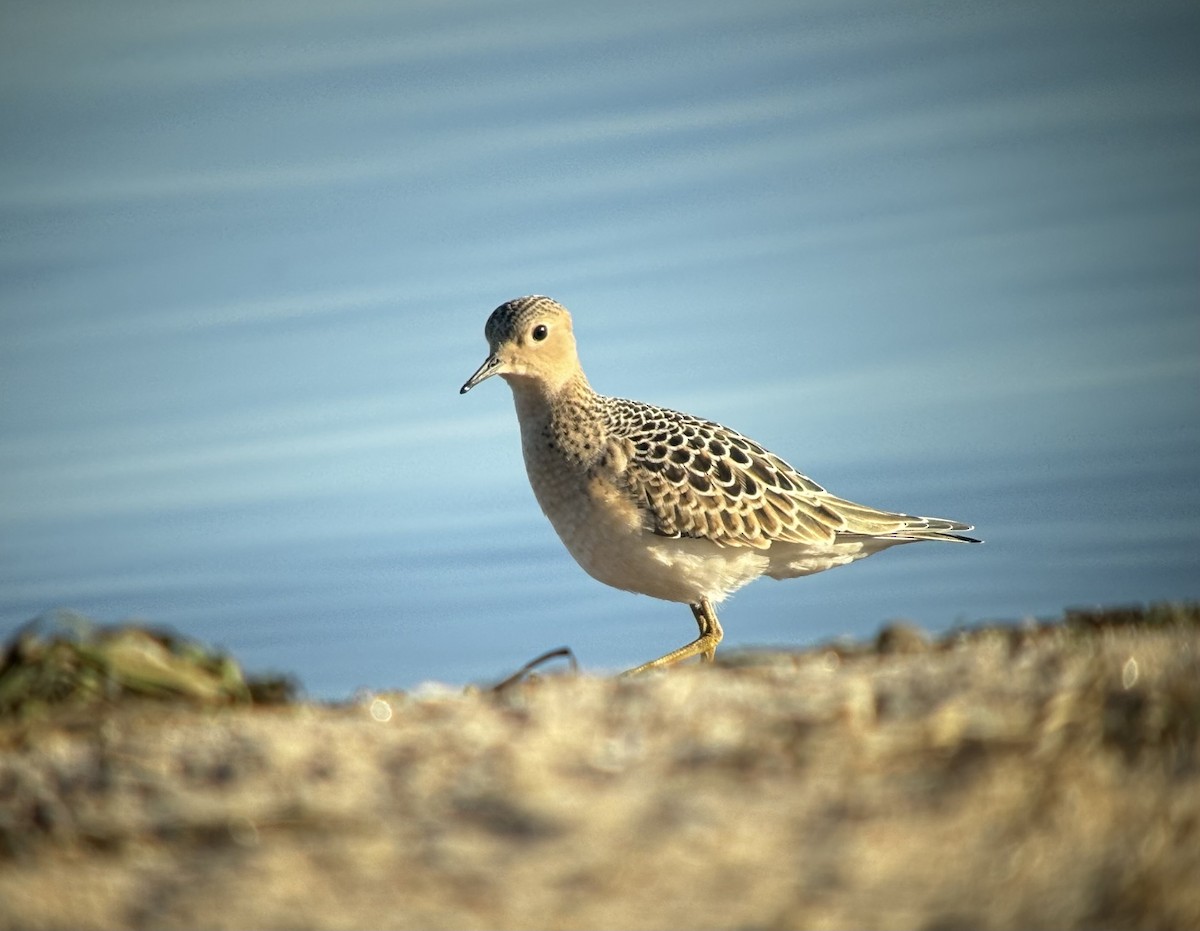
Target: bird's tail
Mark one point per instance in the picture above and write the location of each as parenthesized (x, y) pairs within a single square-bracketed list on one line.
[(861, 520)]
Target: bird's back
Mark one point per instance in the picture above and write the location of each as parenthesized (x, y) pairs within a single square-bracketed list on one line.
[(697, 478)]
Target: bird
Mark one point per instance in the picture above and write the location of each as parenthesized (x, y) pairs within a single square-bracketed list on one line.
[(662, 503)]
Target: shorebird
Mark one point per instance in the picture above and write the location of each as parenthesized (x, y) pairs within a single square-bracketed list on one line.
[(665, 504)]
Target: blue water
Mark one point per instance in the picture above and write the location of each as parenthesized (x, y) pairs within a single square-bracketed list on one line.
[(943, 259)]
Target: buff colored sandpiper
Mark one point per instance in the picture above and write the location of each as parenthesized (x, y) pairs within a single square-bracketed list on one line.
[(662, 503)]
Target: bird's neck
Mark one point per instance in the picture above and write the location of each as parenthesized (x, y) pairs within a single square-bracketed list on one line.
[(567, 422), (538, 402)]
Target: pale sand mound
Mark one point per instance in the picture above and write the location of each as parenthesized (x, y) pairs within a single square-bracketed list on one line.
[(1049, 778)]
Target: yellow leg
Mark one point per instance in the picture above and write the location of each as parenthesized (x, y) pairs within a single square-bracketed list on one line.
[(705, 645)]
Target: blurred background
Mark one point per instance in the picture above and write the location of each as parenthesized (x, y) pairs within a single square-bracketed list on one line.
[(943, 258)]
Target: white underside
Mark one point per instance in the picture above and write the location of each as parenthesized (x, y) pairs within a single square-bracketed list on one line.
[(687, 569), (611, 546)]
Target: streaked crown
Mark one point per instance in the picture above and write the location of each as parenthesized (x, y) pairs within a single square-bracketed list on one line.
[(510, 318)]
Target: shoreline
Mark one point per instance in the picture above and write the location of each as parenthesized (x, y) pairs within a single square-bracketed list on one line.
[(1002, 777)]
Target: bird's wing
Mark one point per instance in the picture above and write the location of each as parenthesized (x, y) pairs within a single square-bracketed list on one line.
[(695, 478)]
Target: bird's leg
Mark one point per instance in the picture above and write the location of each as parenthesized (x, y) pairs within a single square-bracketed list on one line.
[(705, 645)]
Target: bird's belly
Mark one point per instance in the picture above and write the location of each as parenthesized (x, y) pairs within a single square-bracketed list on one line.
[(605, 533), (674, 569)]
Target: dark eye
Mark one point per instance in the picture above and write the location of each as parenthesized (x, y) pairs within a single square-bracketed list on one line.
[(539, 332)]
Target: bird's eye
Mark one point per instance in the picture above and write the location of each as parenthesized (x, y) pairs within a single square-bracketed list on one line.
[(539, 332)]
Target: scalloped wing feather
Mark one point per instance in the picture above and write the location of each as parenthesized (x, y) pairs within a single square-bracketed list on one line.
[(696, 478)]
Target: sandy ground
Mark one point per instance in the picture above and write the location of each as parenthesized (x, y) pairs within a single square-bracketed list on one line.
[(1027, 778)]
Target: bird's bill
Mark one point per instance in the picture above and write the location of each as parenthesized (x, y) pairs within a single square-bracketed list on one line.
[(489, 368)]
